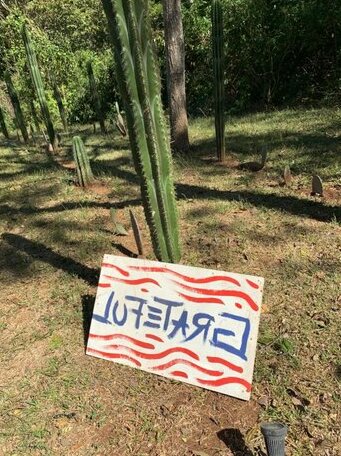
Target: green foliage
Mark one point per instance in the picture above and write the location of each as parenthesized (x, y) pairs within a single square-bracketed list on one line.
[(39, 87), (3, 125), (19, 117), (218, 71), (80, 156), (276, 52), (139, 85)]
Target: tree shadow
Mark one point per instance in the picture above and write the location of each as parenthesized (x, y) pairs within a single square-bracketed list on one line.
[(40, 252), (6, 209), (234, 440), (88, 303), (291, 204)]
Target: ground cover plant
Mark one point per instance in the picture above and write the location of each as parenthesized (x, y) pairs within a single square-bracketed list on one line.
[(56, 401)]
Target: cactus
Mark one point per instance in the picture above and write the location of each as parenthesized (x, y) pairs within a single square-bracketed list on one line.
[(19, 117), (80, 156), (39, 87), (95, 97), (34, 116), (61, 108), (139, 85), (218, 70), (120, 121), (3, 124)]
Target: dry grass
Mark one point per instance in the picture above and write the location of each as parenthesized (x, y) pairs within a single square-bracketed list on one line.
[(56, 401)]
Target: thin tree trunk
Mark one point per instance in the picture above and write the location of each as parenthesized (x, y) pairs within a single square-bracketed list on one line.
[(175, 56)]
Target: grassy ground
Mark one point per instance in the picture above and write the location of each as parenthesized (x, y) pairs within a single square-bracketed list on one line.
[(56, 401)]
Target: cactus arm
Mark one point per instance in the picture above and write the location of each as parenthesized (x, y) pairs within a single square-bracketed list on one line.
[(39, 87), (218, 70)]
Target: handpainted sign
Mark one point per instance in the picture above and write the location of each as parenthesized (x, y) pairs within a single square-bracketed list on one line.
[(191, 324)]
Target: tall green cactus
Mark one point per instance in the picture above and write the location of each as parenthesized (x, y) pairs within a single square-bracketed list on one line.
[(39, 87), (218, 70), (95, 97), (19, 117), (61, 107), (139, 84), (3, 124), (80, 156)]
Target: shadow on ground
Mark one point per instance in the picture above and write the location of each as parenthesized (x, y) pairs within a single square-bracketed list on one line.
[(40, 252), (234, 440)]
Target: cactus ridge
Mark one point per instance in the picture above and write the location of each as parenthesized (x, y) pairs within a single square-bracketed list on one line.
[(84, 172), (140, 90), (3, 124), (218, 71), (19, 117), (39, 86)]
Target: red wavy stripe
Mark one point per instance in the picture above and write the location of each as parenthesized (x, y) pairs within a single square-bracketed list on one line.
[(133, 282), (187, 363), (207, 300), (155, 355), (120, 270), (214, 359), (113, 356), (225, 381), (179, 374), (152, 336), (104, 285), (231, 293), (140, 343), (184, 277), (252, 284)]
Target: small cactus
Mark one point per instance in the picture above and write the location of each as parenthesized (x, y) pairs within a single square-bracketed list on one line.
[(120, 121), (317, 186), (84, 172), (287, 175), (137, 234), (3, 124)]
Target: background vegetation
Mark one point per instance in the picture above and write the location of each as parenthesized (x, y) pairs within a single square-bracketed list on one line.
[(278, 53)]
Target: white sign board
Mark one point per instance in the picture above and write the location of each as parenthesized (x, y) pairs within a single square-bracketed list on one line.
[(191, 324)]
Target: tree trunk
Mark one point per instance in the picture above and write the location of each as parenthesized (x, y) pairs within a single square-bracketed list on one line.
[(175, 56)]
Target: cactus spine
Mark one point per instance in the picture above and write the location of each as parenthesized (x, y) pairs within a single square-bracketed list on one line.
[(139, 84), (3, 124), (95, 97), (218, 71), (19, 117), (39, 87), (61, 108), (84, 172)]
